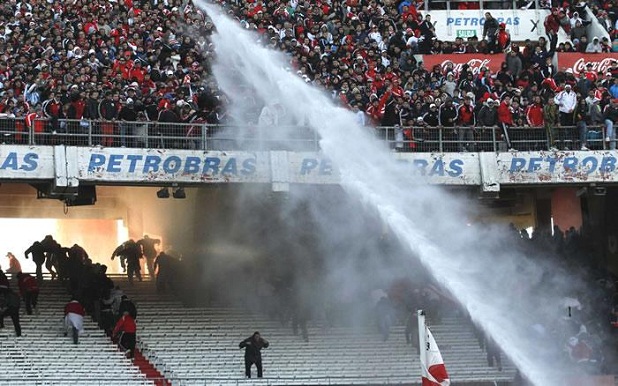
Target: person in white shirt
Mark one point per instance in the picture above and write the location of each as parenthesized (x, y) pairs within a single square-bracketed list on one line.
[(566, 101), (594, 46)]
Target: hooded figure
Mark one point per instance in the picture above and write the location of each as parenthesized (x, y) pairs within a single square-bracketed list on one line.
[(594, 46)]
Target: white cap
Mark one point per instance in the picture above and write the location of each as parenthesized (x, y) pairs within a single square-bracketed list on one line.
[(489, 100), (129, 100)]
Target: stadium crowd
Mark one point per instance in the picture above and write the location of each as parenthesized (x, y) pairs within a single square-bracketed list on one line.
[(149, 61)]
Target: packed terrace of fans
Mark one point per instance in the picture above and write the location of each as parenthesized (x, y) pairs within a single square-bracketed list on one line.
[(150, 61)]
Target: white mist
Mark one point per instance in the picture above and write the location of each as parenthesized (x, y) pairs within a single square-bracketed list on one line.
[(504, 292)]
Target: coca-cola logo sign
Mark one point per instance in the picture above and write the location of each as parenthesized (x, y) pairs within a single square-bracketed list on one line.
[(474, 64), (455, 63), (577, 62), (601, 66)]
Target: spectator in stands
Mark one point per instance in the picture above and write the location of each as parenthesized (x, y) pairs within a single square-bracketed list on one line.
[(38, 256), (74, 319), (108, 111), (595, 115), (253, 346), (582, 118), (448, 114), (29, 291), (490, 32), (124, 332), (503, 38), (150, 252), (552, 122), (466, 121), (611, 118), (9, 306), (505, 119), (488, 114), (566, 101), (534, 112), (594, 46), (578, 31), (514, 64), (127, 115)]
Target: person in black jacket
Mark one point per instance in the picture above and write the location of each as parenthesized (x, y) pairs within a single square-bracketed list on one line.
[(167, 120), (490, 32), (253, 355), (448, 114), (150, 252), (38, 256), (9, 306), (127, 117), (130, 253)]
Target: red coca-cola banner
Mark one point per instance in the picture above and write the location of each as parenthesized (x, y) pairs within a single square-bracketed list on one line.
[(475, 61), (577, 61)]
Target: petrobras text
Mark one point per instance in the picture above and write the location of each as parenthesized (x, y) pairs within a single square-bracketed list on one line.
[(171, 164)]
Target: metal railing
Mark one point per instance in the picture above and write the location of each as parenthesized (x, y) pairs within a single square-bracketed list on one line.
[(151, 134), (203, 136), (483, 139)]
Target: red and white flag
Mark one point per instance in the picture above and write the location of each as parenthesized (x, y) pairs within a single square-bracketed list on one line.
[(432, 366)]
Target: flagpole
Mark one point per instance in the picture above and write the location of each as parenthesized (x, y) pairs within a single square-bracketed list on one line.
[(422, 337)]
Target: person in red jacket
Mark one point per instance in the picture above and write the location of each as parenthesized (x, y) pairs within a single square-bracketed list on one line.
[(534, 113), (505, 119), (552, 23), (126, 328), (504, 37), (29, 291), (74, 319), (466, 122)]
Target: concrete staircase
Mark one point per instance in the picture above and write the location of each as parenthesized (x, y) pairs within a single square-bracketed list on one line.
[(44, 356), (192, 346)]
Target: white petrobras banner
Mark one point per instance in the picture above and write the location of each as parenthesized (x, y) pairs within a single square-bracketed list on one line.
[(557, 167), (182, 166), (19, 162), (521, 24), (446, 169)]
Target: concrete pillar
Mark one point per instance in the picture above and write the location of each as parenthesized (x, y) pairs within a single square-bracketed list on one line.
[(543, 211), (600, 224)]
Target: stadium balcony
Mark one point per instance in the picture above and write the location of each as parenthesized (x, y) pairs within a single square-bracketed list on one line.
[(191, 136)]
